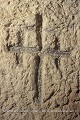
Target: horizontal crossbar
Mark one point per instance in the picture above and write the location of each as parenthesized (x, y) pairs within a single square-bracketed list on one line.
[(36, 50)]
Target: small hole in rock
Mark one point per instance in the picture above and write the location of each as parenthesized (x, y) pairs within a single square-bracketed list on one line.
[(8, 2)]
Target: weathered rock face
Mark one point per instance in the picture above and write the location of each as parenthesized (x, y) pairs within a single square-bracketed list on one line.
[(39, 59)]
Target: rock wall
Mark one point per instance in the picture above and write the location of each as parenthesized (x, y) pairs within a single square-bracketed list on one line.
[(39, 59)]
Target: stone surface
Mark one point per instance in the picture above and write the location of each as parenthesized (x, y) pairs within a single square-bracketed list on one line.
[(39, 59)]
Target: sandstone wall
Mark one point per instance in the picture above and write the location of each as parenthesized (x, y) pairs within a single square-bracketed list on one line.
[(39, 59)]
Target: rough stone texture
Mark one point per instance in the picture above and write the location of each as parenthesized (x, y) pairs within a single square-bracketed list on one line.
[(39, 59)]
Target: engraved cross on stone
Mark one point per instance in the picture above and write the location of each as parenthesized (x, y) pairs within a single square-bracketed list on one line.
[(39, 51)]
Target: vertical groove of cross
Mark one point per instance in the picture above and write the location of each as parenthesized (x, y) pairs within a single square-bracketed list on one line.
[(39, 42)]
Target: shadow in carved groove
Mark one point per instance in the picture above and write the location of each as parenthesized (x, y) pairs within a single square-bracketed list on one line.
[(38, 30)]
